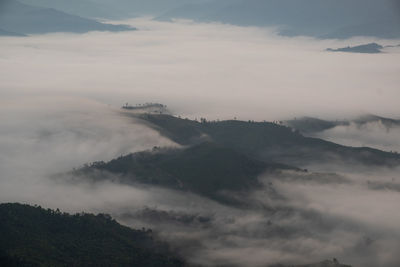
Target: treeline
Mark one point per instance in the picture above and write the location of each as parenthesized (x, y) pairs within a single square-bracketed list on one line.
[(33, 236)]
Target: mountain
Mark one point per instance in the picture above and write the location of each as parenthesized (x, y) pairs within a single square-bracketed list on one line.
[(148, 7), (7, 33), (33, 236), (267, 142), (116, 9), (327, 263), (205, 169), (84, 8), (371, 48), (27, 19), (388, 122), (324, 19), (310, 125)]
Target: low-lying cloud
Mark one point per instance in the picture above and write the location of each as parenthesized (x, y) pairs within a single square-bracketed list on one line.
[(372, 134), (212, 70), (59, 108)]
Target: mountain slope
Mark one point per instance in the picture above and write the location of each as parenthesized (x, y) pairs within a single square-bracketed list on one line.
[(268, 142), (204, 169), (84, 8), (327, 263), (327, 19), (314, 125), (7, 33), (26, 19), (371, 48), (116, 9), (32, 236)]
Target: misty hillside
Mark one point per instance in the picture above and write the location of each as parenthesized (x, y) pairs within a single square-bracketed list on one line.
[(84, 8), (205, 169), (268, 142), (116, 9), (372, 48), (32, 236), (314, 125), (7, 33), (327, 263), (26, 19), (327, 19)]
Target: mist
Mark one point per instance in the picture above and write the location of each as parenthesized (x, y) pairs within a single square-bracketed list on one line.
[(372, 134), (60, 99), (248, 73)]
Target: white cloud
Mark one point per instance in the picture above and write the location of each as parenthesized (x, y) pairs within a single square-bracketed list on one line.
[(204, 69)]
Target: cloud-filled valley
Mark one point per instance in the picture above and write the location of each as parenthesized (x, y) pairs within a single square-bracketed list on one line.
[(234, 71), (60, 99)]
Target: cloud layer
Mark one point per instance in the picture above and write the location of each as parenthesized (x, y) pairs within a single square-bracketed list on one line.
[(214, 70), (55, 115)]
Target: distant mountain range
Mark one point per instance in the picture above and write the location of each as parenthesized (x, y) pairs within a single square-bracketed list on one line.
[(7, 33), (17, 18), (323, 19), (220, 156), (309, 125), (372, 48), (116, 9), (268, 142)]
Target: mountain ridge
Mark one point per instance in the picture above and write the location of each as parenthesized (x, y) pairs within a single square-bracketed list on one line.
[(26, 19)]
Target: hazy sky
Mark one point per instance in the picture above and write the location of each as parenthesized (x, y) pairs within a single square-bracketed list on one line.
[(218, 71)]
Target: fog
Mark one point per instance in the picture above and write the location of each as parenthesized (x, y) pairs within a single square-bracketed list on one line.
[(60, 98), (41, 136), (372, 134), (211, 70)]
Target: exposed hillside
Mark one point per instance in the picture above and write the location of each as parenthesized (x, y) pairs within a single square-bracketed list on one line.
[(32, 236), (268, 142), (27, 19)]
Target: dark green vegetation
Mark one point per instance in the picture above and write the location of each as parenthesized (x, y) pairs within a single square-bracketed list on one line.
[(267, 142), (32, 236), (206, 169), (312, 125), (25, 19), (372, 48)]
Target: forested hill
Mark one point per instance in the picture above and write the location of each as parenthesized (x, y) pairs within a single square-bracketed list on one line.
[(267, 141), (205, 169), (33, 236)]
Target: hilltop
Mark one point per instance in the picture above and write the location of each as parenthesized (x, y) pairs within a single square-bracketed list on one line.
[(266, 141), (205, 169), (28, 19), (33, 236)]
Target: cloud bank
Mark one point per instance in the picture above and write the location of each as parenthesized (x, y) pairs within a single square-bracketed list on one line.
[(214, 70), (60, 96)]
